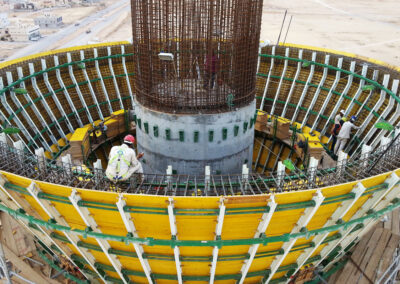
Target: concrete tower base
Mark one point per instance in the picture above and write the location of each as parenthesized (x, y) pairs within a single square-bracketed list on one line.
[(189, 143)]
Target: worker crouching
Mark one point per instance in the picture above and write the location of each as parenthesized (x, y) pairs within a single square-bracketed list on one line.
[(123, 162)]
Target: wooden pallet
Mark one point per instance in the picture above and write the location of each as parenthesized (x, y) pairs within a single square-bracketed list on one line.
[(370, 258)]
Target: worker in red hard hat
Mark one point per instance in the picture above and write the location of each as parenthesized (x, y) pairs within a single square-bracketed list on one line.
[(123, 161)]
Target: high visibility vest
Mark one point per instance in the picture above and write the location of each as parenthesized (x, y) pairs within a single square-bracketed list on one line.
[(119, 164)]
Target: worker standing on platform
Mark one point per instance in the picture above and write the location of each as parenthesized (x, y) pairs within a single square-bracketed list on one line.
[(336, 128), (211, 68), (123, 161), (344, 134)]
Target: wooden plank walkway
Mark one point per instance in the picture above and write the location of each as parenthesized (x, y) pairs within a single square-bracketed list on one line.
[(373, 254)]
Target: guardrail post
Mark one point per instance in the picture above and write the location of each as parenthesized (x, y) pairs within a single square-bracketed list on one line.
[(169, 176), (67, 163), (280, 174), (312, 169), (98, 170), (207, 179), (41, 158), (3, 138), (341, 163), (365, 153)]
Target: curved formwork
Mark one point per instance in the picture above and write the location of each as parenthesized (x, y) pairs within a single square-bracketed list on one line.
[(249, 228)]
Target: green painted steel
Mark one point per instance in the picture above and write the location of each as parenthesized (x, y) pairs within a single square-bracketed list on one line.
[(194, 212), (54, 266), (193, 258), (263, 239), (330, 67)]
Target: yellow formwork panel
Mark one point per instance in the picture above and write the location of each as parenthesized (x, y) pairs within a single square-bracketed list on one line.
[(228, 267), (261, 263), (163, 267), (79, 134), (253, 280)]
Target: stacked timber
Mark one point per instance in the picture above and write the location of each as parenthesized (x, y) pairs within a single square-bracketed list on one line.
[(80, 144), (116, 124), (266, 123)]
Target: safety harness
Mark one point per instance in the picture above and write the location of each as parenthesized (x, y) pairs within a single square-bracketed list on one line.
[(116, 162)]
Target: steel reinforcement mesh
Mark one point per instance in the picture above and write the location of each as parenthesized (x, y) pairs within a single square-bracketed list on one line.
[(214, 44)]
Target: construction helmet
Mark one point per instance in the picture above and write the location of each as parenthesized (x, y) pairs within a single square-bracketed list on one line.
[(129, 139), (353, 118), (343, 112)]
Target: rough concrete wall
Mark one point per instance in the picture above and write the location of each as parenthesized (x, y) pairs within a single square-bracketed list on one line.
[(224, 155)]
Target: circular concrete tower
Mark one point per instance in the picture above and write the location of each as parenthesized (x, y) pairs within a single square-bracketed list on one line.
[(195, 66)]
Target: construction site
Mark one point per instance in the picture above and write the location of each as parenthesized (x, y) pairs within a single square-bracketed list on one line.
[(240, 182)]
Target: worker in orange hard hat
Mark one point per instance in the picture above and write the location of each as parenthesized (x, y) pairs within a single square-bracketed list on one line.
[(123, 161)]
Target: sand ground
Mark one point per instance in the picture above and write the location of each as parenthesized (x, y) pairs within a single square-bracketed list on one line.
[(369, 28)]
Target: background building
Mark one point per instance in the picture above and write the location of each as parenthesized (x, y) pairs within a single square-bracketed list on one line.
[(48, 21)]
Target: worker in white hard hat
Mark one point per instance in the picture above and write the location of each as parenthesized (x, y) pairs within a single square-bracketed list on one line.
[(344, 134), (123, 161), (336, 127)]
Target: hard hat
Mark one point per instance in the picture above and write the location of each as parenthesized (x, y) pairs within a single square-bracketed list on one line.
[(353, 118), (342, 112), (129, 139)]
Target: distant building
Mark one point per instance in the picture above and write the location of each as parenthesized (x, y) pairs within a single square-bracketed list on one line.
[(4, 22), (22, 32), (25, 7), (48, 21)]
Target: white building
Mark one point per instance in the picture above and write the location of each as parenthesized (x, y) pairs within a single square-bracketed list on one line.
[(48, 21), (4, 22), (23, 32)]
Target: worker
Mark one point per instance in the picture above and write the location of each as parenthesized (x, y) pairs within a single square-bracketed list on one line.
[(103, 128), (211, 68), (336, 128), (123, 161), (344, 134)]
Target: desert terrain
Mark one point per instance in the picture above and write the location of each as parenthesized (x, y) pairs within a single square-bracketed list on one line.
[(370, 28)]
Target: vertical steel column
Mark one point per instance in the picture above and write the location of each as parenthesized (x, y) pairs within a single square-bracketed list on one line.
[(110, 66), (92, 93), (54, 95), (344, 93), (305, 89), (43, 101), (382, 114), (128, 82), (36, 111), (262, 227), (172, 224), (395, 115), (268, 79), (17, 102), (301, 223), (78, 90), (328, 97), (375, 198), (298, 70), (41, 234), (34, 190), (91, 223), (394, 193), (218, 231), (16, 119), (276, 97), (375, 108), (339, 213), (103, 86), (317, 91), (65, 91), (130, 227)]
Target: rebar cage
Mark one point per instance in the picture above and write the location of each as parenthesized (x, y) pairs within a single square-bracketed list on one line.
[(214, 44)]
